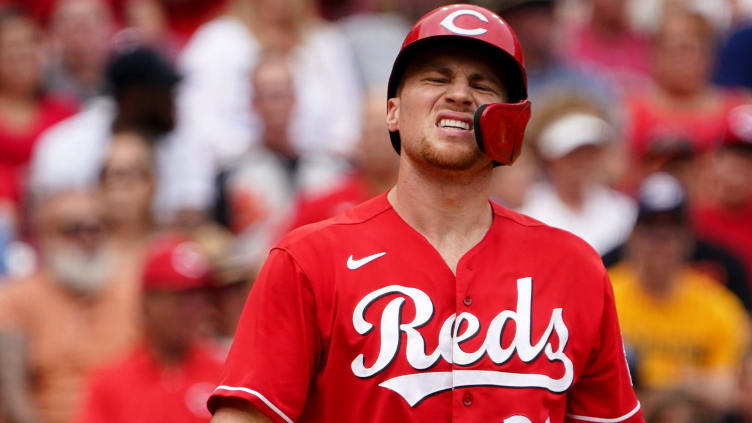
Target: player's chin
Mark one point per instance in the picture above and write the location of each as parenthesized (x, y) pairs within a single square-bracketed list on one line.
[(455, 156)]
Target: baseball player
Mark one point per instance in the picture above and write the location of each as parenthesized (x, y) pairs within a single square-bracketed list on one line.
[(430, 303)]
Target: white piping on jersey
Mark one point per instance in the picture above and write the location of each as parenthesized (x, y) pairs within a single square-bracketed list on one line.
[(256, 394), (602, 420)]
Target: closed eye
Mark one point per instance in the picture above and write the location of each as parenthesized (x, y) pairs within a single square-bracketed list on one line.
[(485, 88)]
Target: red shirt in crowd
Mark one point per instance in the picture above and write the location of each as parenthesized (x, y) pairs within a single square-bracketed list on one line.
[(625, 58), (312, 209), (140, 389), (359, 319), (16, 147), (729, 228), (651, 121)]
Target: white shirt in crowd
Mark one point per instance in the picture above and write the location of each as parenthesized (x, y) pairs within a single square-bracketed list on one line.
[(215, 96), (71, 154), (375, 40), (605, 220)]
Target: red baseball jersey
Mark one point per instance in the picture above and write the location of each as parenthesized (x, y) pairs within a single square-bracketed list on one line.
[(358, 318)]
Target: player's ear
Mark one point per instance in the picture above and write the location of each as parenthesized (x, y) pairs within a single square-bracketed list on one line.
[(392, 114)]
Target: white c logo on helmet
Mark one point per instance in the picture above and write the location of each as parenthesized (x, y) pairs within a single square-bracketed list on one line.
[(448, 22)]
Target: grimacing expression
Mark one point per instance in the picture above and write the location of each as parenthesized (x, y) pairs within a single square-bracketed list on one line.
[(434, 107)]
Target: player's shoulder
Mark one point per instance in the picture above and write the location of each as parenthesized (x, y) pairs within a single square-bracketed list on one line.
[(514, 217), (335, 228)]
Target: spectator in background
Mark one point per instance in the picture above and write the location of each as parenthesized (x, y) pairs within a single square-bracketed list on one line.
[(674, 154), (168, 377), (145, 22), (548, 74), (26, 109), (511, 184), (167, 23), (261, 185), (142, 85), (742, 411), (375, 170), (232, 274), (709, 256), (571, 143), (646, 15), (80, 32), (606, 44), (75, 313), (724, 215), (215, 98), (127, 184), (683, 104), (375, 38), (688, 332), (673, 407), (7, 234)]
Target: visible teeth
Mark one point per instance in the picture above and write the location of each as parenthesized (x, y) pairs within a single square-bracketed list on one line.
[(454, 124)]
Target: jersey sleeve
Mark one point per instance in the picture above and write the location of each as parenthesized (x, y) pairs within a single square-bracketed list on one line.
[(603, 392), (272, 359)]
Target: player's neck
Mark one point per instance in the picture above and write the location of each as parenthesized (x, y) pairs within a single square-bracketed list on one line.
[(452, 213)]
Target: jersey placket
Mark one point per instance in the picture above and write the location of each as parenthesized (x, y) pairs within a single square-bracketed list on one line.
[(463, 400)]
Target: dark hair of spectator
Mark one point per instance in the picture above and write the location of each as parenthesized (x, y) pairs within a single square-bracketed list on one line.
[(139, 66)]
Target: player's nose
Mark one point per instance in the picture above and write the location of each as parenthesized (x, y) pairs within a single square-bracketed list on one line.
[(458, 93)]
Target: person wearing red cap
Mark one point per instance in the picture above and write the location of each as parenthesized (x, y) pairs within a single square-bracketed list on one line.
[(429, 303), (170, 376)]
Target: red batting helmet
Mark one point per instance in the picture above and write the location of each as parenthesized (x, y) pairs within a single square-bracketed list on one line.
[(499, 127)]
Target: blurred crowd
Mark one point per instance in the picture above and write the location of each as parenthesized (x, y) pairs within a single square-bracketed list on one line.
[(151, 152)]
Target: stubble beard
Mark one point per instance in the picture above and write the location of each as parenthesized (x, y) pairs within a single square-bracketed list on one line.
[(459, 158)]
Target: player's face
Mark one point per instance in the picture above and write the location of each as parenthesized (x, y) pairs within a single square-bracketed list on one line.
[(433, 111)]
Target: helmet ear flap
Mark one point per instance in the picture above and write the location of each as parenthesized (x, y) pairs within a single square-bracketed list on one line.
[(500, 128)]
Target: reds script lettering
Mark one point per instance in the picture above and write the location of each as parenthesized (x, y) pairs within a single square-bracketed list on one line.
[(416, 387)]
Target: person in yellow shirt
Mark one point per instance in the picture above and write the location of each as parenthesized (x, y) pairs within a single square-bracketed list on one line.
[(687, 331)]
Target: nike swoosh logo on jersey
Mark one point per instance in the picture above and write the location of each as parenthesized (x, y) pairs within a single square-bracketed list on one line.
[(353, 264)]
